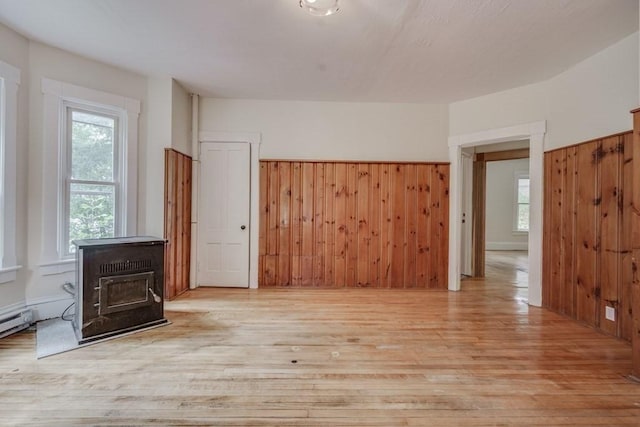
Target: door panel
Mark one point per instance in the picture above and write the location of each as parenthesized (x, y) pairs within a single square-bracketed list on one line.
[(223, 225)]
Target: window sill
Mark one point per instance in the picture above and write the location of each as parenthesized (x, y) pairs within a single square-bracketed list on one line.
[(8, 274), (59, 267), (519, 233)]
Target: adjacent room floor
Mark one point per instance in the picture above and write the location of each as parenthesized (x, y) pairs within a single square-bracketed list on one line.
[(332, 357)]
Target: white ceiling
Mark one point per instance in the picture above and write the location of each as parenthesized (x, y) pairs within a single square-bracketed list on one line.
[(432, 51)]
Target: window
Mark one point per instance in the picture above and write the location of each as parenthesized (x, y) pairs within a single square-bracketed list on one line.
[(89, 169), (9, 82), (92, 189), (521, 217)]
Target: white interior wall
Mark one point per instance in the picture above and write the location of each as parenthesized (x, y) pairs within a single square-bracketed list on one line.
[(500, 201), (159, 91), (590, 100), (14, 50), (180, 118), (43, 289), (334, 130)]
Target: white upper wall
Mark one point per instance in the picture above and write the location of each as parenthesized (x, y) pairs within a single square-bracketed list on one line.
[(590, 100), (180, 118), (334, 130), (14, 50)]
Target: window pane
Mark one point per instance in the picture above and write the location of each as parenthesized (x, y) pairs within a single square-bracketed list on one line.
[(91, 212), (92, 146), (523, 190), (523, 217)]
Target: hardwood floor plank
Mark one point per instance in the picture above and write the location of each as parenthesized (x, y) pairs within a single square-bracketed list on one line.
[(334, 357)]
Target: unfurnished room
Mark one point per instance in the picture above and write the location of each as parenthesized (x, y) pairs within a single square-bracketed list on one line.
[(320, 212)]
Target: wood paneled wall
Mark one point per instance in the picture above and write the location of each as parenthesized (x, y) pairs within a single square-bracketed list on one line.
[(177, 222), (335, 224), (633, 227), (587, 222)]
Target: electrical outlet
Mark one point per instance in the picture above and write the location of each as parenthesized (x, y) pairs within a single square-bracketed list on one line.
[(610, 313)]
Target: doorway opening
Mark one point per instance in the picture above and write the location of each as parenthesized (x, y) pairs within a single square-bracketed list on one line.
[(533, 132), (499, 212)]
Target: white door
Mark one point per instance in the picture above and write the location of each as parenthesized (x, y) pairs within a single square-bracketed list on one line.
[(467, 202), (223, 215)]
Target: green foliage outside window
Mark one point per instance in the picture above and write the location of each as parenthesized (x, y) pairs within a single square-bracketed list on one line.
[(91, 203)]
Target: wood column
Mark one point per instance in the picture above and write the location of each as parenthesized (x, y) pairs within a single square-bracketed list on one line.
[(177, 222), (635, 245)]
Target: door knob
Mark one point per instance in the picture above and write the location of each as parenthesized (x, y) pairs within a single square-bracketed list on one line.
[(242, 227)]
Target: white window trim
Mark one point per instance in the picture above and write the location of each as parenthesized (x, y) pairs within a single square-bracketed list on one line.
[(65, 162), (9, 82), (56, 96), (517, 175)]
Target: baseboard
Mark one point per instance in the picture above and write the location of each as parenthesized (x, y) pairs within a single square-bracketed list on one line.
[(506, 246), (49, 307)]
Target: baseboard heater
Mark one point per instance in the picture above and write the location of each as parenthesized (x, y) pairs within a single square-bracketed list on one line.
[(16, 321)]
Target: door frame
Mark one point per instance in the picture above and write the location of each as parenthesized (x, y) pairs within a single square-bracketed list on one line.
[(467, 209), (254, 139), (535, 133), (479, 205)]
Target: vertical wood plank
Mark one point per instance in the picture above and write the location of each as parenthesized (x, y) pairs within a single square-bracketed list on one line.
[(169, 184), (188, 170), (271, 257), (264, 220), (635, 247), (318, 219), (352, 225), (568, 234), (385, 225), (296, 224), (478, 216), (546, 227), (608, 162), (363, 216), (423, 226), (586, 232), (283, 277), (340, 264), (445, 171), (178, 225), (398, 245), (307, 217), (374, 225), (441, 225), (557, 185), (625, 314), (411, 206), (329, 224)]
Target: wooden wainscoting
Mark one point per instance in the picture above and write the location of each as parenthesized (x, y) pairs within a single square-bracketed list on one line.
[(347, 224), (587, 239), (177, 222)]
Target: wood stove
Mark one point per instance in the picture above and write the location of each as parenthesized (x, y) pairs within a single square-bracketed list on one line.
[(120, 284)]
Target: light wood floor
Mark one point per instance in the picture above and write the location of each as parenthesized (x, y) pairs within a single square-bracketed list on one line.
[(480, 357)]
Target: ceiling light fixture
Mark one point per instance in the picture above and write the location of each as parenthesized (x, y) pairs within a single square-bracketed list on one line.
[(320, 7)]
